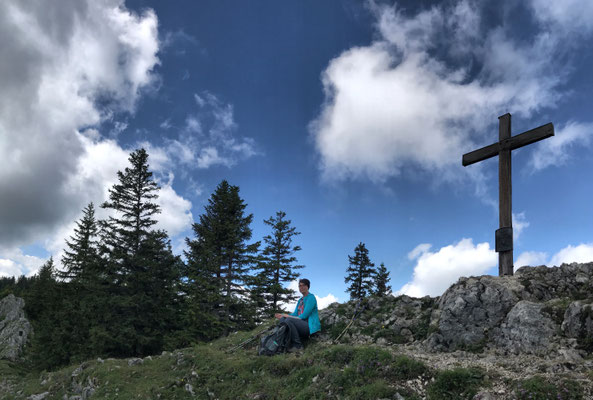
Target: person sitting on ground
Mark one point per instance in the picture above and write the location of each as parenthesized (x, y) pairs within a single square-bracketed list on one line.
[(305, 317)]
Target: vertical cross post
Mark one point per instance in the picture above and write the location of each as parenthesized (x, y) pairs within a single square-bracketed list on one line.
[(505, 195)]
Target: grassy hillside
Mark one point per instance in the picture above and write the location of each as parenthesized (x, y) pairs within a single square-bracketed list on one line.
[(323, 370)]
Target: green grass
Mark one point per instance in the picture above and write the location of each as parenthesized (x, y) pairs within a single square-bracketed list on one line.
[(538, 388), (323, 371), (459, 383)]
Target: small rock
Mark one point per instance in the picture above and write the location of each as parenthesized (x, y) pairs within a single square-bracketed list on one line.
[(484, 396), (190, 389), (39, 396), (135, 361), (100, 360), (382, 341), (315, 378)]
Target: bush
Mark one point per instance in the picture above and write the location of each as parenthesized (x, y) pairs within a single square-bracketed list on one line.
[(405, 368)]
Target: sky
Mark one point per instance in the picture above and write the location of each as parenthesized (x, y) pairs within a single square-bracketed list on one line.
[(351, 116)]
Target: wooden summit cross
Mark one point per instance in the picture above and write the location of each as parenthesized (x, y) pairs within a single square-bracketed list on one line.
[(502, 149)]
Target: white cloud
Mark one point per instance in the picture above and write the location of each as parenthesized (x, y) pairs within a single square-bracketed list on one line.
[(519, 224), (419, 250), (582, 253), (573, 16), (436, 271), (531, 258), (175, 216), (323, 302), (15, 263), (399, 105), (209, 137), (555, 152), (55, 67), (62, 74)]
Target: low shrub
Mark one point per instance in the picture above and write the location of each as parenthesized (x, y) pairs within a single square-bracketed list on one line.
[(456, 384), (538, 388)]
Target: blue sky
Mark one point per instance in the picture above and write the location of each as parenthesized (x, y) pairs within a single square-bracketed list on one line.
[(350, 116)]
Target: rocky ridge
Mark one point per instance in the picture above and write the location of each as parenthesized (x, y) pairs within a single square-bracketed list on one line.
[(537, 322)]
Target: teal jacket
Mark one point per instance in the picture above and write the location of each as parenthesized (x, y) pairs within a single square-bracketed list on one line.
[(310, 312)]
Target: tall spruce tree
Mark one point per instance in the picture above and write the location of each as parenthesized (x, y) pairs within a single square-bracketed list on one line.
[(360, 273), (142, 275), (381, 283), (219, 261), (277, 264)]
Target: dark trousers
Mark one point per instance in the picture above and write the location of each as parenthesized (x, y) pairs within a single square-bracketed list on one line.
[(301, 326)]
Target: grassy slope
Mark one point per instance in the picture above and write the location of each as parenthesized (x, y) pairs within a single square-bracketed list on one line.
[(210, 371)]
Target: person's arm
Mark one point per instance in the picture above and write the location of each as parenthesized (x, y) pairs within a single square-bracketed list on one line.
[(291, 315), (310, 305), (296, 309)]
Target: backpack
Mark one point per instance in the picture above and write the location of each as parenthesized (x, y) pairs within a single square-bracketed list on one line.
[(276, 342)]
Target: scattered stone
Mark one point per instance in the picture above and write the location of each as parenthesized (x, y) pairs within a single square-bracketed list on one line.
[(40, 396), (190, 389), (135, 361)]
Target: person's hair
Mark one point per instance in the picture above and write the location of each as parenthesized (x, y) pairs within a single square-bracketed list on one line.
[(306, 282)]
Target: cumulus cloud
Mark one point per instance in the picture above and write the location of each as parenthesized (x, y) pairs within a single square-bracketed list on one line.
[(531, 258), (56, 66), (582, 253), (436, 271), (65, 70), (14, 262), (419, 96)]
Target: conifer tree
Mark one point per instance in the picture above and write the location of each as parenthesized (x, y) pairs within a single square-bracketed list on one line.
[(277, 264), (80, 288), (81, 257), (49, 313), (141, 274), (219, 261), (381, 281), (359, 273)]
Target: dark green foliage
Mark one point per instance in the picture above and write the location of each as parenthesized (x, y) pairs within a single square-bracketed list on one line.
[(381, 281), (44, 305), (406, 368), (538, 388), (360, 273), (218, 262), (81, 257), (139, 283), (459, 383), (277, 265)]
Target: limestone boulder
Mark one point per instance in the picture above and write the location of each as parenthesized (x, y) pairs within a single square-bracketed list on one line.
[(526, 329), (15, 329), (578, 320), (470, 309)]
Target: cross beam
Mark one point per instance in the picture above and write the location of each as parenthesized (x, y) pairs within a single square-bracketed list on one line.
[(502, 149)]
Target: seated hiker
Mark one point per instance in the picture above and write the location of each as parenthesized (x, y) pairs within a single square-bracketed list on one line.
[(305, 317)]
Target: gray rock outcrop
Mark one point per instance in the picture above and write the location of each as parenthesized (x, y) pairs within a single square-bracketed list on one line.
[(540, 311), (15, 329)]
